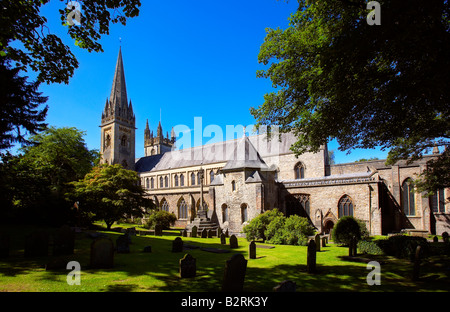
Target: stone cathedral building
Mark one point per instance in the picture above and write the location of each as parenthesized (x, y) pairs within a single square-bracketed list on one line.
[(237, 180)]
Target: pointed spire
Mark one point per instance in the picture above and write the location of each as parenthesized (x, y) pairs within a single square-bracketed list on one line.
[(172, 135), (119, 89), (159, 131)]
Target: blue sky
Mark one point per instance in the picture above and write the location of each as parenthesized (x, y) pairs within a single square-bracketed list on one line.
[(184, 59)]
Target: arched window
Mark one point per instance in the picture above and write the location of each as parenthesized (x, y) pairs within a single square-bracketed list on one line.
[(161, 182), (225, 212), (199, 179), (408, 200), (108, 141), (233, 185), (176, 180), (244, 215), (147, 183), (345, 206), (152, 183), (211, 176), (166, 181), (437, 201), (182, 209), (124, 164), (192, 178), (123, 141), (164, 205), (181, 180), (299, 171)]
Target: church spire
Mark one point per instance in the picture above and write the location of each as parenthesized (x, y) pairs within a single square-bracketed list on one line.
[(118, 96)]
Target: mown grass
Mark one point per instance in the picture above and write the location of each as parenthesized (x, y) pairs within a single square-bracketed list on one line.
[(158, 271)]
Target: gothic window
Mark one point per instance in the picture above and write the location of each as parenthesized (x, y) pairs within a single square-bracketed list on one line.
[(166, 181), (437, 201), (182, 209), (211, 176), (233, 186), (192, 178), (345, 206), (176, 180), (408, 200), (299, 171), (181, 180), (152, 183), (244, 215), (123, 141), (198, 178), (297, 204), (147, 183), (108, 141), (225, 212), (164, 205), (161, 182)]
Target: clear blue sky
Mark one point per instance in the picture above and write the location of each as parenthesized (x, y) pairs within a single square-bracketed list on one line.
[(187, 58)]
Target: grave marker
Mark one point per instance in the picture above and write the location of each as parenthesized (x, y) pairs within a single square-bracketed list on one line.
[(188, 266), (234, 274)]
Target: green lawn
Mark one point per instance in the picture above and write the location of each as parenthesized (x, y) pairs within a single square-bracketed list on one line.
[(158, 271)]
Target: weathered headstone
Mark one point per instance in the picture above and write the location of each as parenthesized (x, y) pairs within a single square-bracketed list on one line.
[(435, 239), (158, 230), (234, 273), (252, 250), (416, 266), (102, 254), (324, 242), (188, 266), (177, 245), (4, 245), (445, 237), (311, 257), (204, 233), (63, 241), (184, 233), (233, 241), (210, 233), (317, 241), (286, 286), (36, 244), (194, 231), (147, 249), (122, 244), (223, 240), (352, 247)]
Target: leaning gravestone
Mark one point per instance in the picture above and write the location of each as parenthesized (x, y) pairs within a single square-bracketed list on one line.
[(234, 273), (64, 241), (252, 250), (36, 244), (233, 241), (188, 266), (311, 257), (177, 245), (158, 230), (317, 241), (4, 245), (285, 286), (102, 253), (223, 240), (122, 244), (194, 231)]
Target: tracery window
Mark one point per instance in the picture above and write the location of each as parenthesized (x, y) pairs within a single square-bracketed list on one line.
[(437, 201), (408, 198), (345, 206), (299, 171), (182, 209)]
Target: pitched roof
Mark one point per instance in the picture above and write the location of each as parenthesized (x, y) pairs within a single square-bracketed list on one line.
[(245, 156)]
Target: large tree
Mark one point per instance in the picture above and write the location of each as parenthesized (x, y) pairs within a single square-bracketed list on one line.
[(365, 85), (27, 44), (110, 192)]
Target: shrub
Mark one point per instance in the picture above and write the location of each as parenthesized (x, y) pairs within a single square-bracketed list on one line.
[(345, 229), (404, 247), (257, 227), (289, 231), (371, 247), (164, 218)]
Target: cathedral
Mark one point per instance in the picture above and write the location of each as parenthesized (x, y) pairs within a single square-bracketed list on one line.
[(226, 184)]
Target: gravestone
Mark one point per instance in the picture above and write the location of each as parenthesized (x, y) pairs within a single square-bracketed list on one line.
[(63, 241), (252, 250), (194, 231), (226, 233), (352, 247), (285, 286), (188, 266), (445, 237), (435, 239), (223, 240), (4, 245), (204, 233), (158, 230), (102, 254), (311, 257), (234, 273), (416, 266), (177, 245), (233, 241), (122, 244), (184, 233), (317, 241), (147, 249), (210, 233), (131, 231), (36, 244), (324, 242)]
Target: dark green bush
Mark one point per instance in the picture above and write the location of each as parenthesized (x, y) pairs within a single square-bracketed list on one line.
[(345, 229), (289, 231), (164, 218), (404, 247), (370, 247)]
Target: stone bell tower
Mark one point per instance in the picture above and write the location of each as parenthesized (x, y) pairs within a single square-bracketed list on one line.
[(118, 123)]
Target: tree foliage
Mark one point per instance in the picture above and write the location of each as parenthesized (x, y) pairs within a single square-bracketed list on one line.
[(257, 227), (339, 78), (110, 192)]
